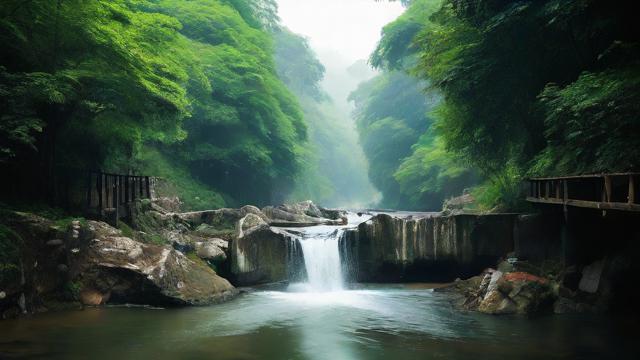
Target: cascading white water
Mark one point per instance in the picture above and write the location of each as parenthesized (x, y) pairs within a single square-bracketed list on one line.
[(322, 260)]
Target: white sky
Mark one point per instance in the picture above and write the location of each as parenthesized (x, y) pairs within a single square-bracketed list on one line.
[(350, 28)]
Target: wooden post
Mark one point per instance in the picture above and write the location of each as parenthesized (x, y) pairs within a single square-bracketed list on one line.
[(127, 183), (546, 189), (99, 188), (148, 185), (539, 193), (109, 188), (566, 191), (116, 193), (140, 187), (607, 188), (632, 190)]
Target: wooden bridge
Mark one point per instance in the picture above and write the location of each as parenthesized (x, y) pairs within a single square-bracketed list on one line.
[(615, 191)]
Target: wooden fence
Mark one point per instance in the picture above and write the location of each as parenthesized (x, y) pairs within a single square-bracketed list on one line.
[(99, 194), (615, 191)]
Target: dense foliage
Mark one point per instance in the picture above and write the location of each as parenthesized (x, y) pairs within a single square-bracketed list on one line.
[(536, 87), (529, 87), (182, 89)]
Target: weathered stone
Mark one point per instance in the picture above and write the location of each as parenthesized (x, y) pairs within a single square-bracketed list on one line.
[(211, 249), (305, 213), (248, 222), (262, 255), (136, 272), (250, 209), (591, 277)]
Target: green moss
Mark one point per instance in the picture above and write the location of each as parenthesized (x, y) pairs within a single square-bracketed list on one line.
[(126, 230), (154, 239), (194, 257)]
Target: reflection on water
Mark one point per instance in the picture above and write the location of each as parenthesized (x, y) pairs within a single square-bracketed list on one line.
[(374, 323)]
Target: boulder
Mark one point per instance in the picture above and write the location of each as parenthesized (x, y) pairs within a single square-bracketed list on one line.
[(134, 272), (248, 222), (529, 292), (212, 249), (250, 209), (262, 255), (591, 274)]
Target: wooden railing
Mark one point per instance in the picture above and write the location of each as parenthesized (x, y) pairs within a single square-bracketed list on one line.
[(602, 191)]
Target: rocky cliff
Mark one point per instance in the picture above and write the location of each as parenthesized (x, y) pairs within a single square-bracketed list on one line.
[(426, 247)]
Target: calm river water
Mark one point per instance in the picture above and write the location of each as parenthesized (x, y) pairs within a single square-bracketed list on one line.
[(382, 322)]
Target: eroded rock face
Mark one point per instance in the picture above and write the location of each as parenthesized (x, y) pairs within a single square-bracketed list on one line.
[(394, 248)]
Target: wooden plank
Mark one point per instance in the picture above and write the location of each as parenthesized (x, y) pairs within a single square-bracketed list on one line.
[(140, 187), (588, 204), (557, 183)]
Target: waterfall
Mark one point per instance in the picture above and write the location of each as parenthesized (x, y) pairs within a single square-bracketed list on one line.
[(322, 260)]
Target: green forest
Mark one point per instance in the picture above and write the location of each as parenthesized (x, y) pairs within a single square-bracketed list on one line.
[(514, 89), (226, 104)]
